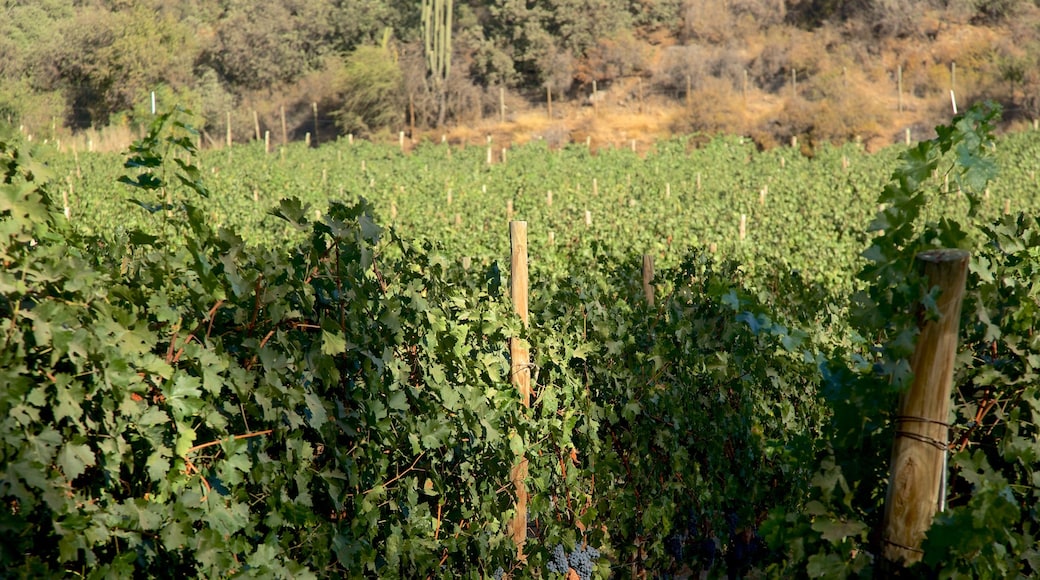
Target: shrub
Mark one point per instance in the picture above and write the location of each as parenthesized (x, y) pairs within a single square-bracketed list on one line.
[(372, 86)]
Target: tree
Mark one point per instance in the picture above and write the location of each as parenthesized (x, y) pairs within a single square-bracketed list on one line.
[(106, 61), (259, 44), (579, 24), (518, 32), (371, 90), (357, 22)]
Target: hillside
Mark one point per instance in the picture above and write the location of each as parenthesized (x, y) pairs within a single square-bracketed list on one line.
[(616, 71), (867, 107)]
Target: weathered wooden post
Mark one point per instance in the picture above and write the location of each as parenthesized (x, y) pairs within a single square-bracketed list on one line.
[(595, 99), (285, 130), (501, 104), (314, 108), (919, 450), (520, 373), (899, 86), (65, 194)]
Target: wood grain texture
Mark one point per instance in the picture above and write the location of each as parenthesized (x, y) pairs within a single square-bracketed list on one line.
[(921, 425), (520, 373), (648, 278)]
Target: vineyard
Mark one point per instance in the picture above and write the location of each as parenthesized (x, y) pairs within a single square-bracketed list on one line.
[(301, 362)]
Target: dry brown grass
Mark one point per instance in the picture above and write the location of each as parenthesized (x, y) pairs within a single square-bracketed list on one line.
[(107, 139), (845, 92)]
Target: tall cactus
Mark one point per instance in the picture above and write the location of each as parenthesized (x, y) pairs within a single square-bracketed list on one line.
[(436, 25)]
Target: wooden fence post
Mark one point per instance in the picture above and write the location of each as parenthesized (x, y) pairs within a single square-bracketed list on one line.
[(899, 86), (922, 431), (501, 104), (648, 278), (285, 130), (65, 193), (595, 98), (520, 373), (314, 108)]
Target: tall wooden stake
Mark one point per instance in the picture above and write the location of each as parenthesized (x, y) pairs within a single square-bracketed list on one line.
[(595, 98), (919, 450), (285, 132), (899, 86), (65, 198), (520, 372), (314, 107), (639, 82)]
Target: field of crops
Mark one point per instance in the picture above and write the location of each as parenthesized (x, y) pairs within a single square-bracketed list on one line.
[(331, 390), (803, 213)]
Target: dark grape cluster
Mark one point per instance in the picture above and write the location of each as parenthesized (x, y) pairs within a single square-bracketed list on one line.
[(745, 550), (673, 546), (580, 560), (707, 550), (687, 544), (558, 560)]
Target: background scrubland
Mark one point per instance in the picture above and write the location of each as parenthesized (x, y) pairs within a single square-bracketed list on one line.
[(771, 70)]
